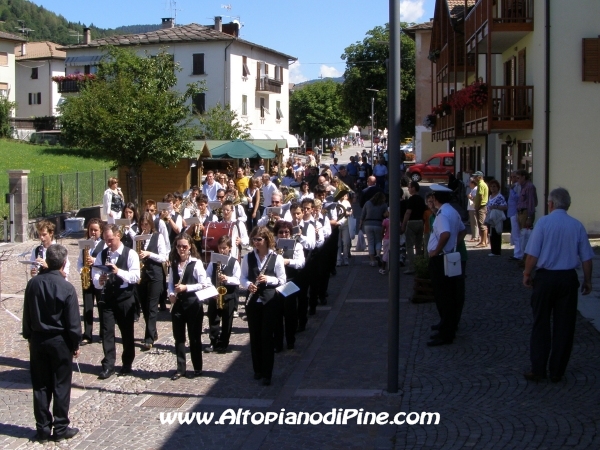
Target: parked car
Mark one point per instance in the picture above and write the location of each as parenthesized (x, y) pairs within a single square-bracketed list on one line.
[(436, 167)]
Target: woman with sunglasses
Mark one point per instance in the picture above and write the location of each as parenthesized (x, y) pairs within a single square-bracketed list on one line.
[(262, 271), (152, 255), (293, 260), (187, 276)]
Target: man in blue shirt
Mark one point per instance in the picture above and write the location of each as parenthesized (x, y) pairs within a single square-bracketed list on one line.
[(557, 245)]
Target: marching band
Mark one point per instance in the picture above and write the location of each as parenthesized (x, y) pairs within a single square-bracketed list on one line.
[(183, 250)]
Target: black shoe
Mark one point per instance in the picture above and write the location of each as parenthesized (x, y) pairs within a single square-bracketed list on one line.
[(278, 349), (323, 301), (301, 327), (146, 346), (266, 382), (194, 374), (177, 375), (257, 376), (85, 341), (290, 346), (42, 438), (162, 308), (312, 310), (530, 376), (68, 434), (156, 336), (125, 370), (556, 379), (222, 349), (435, 327), (209, 349), (333, 274), (106, 374), (438, 341), (434, 336)]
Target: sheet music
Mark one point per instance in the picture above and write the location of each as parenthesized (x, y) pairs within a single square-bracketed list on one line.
[(287, 289), (192, 221), (142, 237), (286, 244), (218, 258), (164, 206), (206, 293), (214, 205), (86, 243), (123, 222)]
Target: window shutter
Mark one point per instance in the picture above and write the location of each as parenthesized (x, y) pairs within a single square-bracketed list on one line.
[(591, 59), (39, 98), (199, 103), (3, 59), (521, 65), (266, 69), (281, 74), (198, 64), (30, 98)]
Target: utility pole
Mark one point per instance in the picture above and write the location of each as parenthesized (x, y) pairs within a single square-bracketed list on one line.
[(372, 122)]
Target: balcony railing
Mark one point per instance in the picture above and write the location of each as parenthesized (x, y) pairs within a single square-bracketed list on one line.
[(448, 127), (67, 86), (508, 108), (506, 15), (268, 85)]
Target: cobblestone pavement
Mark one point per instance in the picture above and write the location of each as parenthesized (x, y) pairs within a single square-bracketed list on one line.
[(476, 384)]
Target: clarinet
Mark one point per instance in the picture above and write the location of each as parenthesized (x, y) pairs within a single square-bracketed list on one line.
[(263, 270)]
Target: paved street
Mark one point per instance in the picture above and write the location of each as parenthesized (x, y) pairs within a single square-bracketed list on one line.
[(476, 384)]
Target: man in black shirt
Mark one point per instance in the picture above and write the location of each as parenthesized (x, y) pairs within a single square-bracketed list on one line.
[(52, 325), (412, 225), (368, 193)]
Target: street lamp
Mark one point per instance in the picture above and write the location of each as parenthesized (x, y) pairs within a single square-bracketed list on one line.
[(372, 120)]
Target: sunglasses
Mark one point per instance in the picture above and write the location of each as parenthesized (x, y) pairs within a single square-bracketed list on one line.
[(183, 247), (257, 239)]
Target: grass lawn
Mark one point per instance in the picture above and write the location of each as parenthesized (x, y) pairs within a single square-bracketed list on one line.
[(44, 160)]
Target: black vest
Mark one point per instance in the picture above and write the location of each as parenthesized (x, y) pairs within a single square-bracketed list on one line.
[(152, 269), (227, 271), (265, 293), (290, 272), (170, 231), (113, 289), (185, 299)]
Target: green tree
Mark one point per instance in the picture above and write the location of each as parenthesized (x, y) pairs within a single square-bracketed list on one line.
[(6, 109), (221, 123), (315, 109), (366, 69), (130, 113)]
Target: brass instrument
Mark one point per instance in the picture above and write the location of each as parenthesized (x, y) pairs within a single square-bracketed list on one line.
[(86, 279), (197, 234), (219, 213), (290, 195), (222, 290), (341, 190), (138, 249)]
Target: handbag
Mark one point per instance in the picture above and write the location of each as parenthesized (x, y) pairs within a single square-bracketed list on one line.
[(361, 245), (452, 266)]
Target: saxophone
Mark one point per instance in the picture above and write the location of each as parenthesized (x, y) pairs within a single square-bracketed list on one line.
[(86, 279), (197, 233), (222, 290), (138, 249)]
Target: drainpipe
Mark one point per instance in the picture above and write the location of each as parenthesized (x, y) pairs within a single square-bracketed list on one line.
[(547, 110), (227, 79)]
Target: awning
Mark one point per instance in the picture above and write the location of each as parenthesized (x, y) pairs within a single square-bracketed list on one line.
[(83, 60), (291, 140)]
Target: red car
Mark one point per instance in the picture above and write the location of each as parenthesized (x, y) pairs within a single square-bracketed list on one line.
[(435, 167)]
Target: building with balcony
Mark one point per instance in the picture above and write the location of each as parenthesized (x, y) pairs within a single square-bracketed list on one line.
[(514, 85), (7, 64), (245, 75), (36, 64)]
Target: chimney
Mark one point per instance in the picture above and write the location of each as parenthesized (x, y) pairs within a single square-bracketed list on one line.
[(219, 23), (167, 22), (87, 36), (23, 48)]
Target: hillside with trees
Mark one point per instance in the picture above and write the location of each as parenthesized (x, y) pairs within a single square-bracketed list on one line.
[(49, 26)]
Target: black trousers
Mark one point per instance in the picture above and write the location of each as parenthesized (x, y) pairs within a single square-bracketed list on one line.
[(554, 297), (149, 292), (447, 294), (496, 241), (51, 372), (88, 312), (220, 321), (121, 314), (287, 321), (261, 326), (190, 317)]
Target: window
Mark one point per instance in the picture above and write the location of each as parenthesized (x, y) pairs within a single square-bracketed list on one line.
[(244, 105), (3, 59), (198, 64), (448, 161), (279, 73), (198, 103), (245, 70), (4, 90), (262, 108), (591, 60), (34, 73), (87, 70), (35, 98), (279, 114), (434, 162)]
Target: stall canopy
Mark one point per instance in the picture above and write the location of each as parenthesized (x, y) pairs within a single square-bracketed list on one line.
[(290, 140), (241, 149)]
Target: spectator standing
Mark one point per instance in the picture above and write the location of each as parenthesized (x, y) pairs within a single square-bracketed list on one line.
[(555, 249), (471, 194), (480, 204), (496, 206), (211, 187), (371, 221), (512, 213), (526, 206), (412, 226), (268, 189)]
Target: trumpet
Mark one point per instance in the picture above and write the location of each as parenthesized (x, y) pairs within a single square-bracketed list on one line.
[(222, 290), (197, 234)]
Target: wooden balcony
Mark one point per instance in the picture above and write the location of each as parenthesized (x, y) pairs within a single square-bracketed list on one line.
[(265, 85), (509, 20), (508, 108), (448, 127), (68, 86)]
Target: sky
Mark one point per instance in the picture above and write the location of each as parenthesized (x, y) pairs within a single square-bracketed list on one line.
[(314, 31)]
